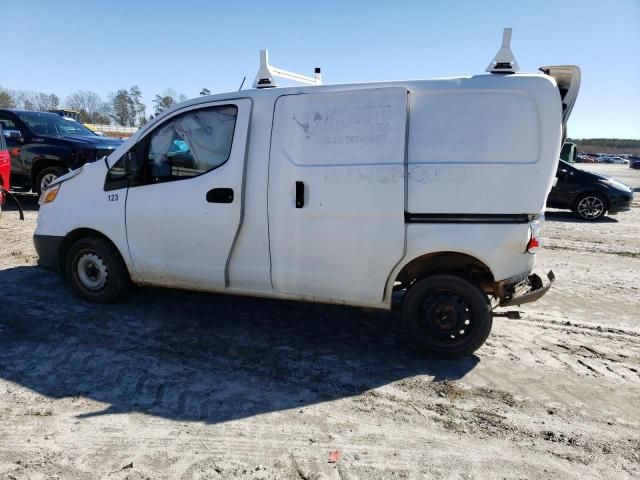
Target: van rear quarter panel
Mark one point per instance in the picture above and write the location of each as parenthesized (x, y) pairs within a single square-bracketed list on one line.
[(501, 247), (485, 144)]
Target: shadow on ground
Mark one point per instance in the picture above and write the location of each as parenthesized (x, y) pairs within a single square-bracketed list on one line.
[(562, 216), (192, 356), (28, 202)]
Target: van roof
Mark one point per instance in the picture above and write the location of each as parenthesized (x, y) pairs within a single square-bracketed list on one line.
[(445, 83)]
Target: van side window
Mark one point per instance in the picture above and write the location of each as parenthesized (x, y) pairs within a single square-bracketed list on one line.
[(190, 144)]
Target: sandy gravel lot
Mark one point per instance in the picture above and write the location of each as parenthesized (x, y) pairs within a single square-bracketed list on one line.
[(183, 385)]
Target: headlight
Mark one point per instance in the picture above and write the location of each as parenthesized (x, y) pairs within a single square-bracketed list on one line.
[(49, 195)]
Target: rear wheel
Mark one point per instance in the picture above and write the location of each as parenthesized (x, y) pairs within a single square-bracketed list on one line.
[(590, 206), (447, 316), (95, 271), (47, 176)]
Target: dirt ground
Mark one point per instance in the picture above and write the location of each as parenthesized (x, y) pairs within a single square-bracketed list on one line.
[(182, 385)]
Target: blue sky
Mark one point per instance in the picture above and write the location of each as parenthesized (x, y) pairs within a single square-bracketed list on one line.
[(62, 47)]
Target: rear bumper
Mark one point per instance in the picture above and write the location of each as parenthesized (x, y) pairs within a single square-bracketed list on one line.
[(48, 250), (530, 290)]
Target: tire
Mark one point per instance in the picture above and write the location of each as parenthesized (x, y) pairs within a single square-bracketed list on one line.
[(95, 271), (48, 175), (590, 206), (438, 308)]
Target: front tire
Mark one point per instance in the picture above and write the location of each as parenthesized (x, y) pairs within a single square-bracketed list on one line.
[(590, 207), (95, 271), (47, 176), (447, 316)]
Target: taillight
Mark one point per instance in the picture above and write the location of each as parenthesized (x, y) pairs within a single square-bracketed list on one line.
[(534, 237)]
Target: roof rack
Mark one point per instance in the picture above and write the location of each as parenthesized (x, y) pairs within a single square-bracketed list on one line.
[(266, 74), (504, 61)]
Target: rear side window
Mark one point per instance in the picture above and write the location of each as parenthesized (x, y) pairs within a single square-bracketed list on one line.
[(190, 144), (3, 145)]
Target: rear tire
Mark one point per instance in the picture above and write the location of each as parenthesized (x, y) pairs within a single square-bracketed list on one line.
[(447, 316), (590, 207), (47, 176), (95, 271)]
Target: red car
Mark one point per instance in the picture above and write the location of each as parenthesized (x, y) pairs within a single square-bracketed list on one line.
[(5, 167)]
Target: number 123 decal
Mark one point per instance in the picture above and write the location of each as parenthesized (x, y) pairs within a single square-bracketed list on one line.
[(112, 197)]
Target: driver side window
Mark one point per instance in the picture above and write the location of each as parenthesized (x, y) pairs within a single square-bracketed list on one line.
[(190, 144)]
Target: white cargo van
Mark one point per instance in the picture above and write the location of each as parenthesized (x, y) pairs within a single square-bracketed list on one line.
[(425, 195)]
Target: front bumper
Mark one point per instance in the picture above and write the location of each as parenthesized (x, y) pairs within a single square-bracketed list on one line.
[(48, 250), (530, 290), (620, 203)]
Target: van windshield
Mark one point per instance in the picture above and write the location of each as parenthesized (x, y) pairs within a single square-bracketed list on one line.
[(42, 123)]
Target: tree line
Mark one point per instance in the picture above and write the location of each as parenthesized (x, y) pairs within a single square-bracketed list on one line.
[(606, 142), (123, 107)]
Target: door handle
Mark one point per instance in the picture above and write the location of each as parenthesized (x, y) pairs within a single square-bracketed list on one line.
[(299, 194), (220, 195)]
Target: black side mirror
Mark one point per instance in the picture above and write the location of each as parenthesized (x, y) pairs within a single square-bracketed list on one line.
[(562, 174)]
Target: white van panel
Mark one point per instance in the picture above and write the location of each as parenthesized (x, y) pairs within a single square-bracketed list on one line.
[(348, 149), (470, 127), (492, 138), (339, 129), (499, 246)]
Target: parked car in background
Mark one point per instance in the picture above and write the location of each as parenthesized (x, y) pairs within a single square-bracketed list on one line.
[(589, 195), (44, 146), (634, 161), (584, 158), (617, 160)]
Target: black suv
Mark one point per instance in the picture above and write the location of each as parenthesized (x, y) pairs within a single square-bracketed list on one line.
[(44, 146), (590, 195)]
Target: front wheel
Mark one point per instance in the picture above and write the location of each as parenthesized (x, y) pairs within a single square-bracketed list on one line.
[(47, 176), (96, 271), (590, 206), (447, 316)]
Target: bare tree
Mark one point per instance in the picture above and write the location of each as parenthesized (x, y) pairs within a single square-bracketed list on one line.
[(89, 105)]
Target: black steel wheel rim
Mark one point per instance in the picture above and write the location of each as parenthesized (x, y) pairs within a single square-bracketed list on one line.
[(446, 317)]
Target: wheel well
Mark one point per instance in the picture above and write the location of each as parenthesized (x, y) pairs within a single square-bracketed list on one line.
[(40, 165), (445, 262), (76, 235)]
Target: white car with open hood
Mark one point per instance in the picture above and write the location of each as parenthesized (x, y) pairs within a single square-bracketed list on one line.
[(424, 195)]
